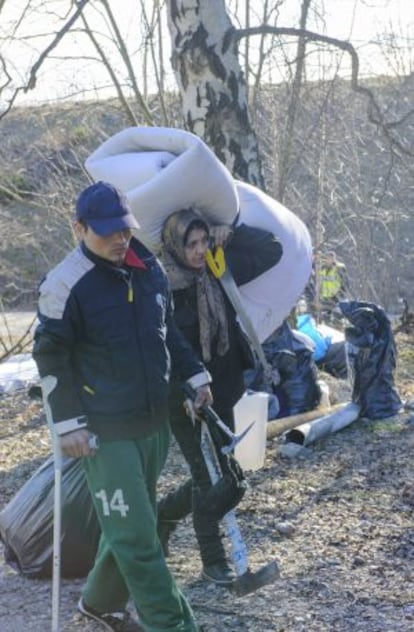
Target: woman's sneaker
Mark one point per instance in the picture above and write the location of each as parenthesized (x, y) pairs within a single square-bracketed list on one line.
[(115, 621), (219, 573)]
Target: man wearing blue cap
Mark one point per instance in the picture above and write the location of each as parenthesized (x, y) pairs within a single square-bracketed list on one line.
[(106, 334)]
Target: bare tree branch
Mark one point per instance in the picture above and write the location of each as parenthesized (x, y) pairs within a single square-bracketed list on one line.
[(31, 84), (10, 345), (294, 101), (375, 114), (150, 27), (111, 72), (33, 78), (126, 59), (7, 74)]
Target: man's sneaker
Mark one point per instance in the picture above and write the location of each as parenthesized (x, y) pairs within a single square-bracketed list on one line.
[(115, 621), (219, 573)]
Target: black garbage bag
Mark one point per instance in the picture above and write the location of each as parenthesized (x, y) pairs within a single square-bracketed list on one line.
[(290, 353), (26, 524), (372, 359)]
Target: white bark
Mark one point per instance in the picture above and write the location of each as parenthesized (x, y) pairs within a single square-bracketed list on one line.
[(212, 84)]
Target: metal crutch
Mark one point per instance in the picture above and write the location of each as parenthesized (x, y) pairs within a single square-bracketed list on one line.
[(48, 384)]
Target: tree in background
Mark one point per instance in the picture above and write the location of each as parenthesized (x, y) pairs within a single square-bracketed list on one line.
[(266, 96), (212, 84)]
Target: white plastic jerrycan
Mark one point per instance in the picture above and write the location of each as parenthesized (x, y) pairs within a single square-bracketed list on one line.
[(251, 450)]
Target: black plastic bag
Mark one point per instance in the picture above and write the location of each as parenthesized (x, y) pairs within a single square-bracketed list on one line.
[(372, 359), (26, 524), (334, 361), (290, 353)]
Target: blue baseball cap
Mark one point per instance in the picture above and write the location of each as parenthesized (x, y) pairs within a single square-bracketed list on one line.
[(104, 209)]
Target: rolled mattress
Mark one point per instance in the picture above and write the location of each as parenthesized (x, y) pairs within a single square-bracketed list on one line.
[(161, 170)]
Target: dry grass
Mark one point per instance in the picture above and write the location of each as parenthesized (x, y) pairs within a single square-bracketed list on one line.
[(347, 566)]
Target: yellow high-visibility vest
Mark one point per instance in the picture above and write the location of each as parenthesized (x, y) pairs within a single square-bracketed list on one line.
[(330, 282)]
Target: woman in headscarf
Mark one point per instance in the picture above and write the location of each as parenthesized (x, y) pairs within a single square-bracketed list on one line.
[(208, 321)]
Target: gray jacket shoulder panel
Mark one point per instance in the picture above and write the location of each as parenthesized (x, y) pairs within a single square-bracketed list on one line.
[(57, 286)]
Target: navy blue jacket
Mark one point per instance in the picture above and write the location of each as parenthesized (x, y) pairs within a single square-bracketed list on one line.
[(107, 334)]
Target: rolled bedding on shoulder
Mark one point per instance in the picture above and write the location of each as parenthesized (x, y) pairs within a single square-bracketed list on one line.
[(162, 170)]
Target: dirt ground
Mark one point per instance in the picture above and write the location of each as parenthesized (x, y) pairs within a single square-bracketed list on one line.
[(338, 518)]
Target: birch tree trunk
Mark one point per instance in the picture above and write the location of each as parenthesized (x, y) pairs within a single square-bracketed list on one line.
[(212, 84)]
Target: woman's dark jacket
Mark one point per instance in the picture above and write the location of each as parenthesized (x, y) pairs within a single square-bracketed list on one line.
[(250, 253)]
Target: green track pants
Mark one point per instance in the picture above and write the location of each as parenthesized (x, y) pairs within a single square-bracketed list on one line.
[(122, 479)]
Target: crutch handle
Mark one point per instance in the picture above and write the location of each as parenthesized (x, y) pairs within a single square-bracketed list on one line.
[(93, 442)]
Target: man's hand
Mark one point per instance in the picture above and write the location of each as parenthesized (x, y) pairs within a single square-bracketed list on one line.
[(77, 444), (203, 397)]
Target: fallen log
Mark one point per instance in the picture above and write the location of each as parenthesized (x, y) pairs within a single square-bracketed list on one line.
[(278, 426), (328, 424)]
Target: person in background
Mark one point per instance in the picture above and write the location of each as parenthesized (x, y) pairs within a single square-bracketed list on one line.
[(208, 321), (107, 337), (333, 283)]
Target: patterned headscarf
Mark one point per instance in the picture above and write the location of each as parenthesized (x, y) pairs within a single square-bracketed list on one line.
[(210, 300)]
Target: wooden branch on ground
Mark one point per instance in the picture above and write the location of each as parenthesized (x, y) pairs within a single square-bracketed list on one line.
[(278, 426)]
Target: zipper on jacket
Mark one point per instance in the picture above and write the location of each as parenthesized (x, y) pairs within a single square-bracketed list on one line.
[(127, 276), (130, 290)]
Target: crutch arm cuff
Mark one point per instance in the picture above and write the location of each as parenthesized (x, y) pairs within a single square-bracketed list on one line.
[(69, 425)]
